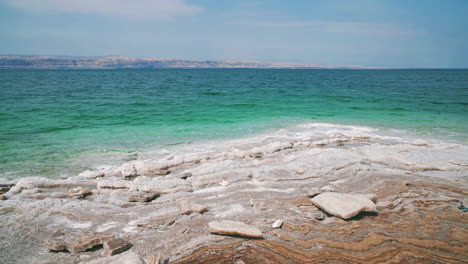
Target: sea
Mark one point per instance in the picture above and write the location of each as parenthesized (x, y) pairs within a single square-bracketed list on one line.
[(57, 123)]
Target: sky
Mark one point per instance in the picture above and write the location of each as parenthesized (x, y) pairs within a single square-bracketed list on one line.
[(372, 33)]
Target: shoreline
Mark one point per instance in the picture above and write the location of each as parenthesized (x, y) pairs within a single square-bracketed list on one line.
[(419, 187)]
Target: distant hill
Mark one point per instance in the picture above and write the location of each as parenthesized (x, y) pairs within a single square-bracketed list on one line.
[(121, 62)]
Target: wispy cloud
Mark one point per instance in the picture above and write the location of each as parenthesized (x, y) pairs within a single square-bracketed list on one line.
[(137, 9), (334, 26)]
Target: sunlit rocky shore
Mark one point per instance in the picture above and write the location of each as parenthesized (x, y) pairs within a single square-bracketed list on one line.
[(322, 194)]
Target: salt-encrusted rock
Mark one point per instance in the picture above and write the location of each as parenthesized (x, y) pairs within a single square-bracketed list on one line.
[(237, 153), (125, 258), (142, 197), (228, 227), (163, 186), (277, 224), (276, 146), (328, 188), (158, 172), (186, 207), (319, 216), (420, 142), (256, 155), (5, 187), (79, 192), (314, 192), (30, 183), (92, 174), (185, 175), (116, 246), (31, 191), (75, 241), (157, 185), (343, 205), (129, 170), (114, 184)]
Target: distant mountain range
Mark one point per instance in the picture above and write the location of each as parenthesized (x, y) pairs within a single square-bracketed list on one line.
[(121, 62)]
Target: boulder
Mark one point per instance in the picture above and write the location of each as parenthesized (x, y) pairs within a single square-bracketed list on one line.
[(234, 228), (116, 246), (343, 205), (75, 241), (187, 207)]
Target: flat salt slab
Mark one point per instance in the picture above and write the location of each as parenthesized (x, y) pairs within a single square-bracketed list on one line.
[(76, 241), (343, 205), (186, 207), (234, 228)]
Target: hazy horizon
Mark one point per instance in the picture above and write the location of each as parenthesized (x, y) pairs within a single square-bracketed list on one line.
[(401, 34)]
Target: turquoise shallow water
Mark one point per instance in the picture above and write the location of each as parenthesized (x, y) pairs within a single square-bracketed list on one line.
[(59, 122)]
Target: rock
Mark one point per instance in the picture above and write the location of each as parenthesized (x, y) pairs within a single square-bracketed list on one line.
[(116, 246), (2, 197), (276, 146), (5, 187), (114, 184), (159, 172), (128, 171), (76, 241), (256, 155), (462, 205), (31, 191), (126, 258), (313, 192), (79, 192), (142, 197), (328, 188), (31, 183), (277, 224), (186, 175), (92, 174), (187, 207), (419, 142), (161, 186), (343, 205), (319, 216), (234, 228)]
